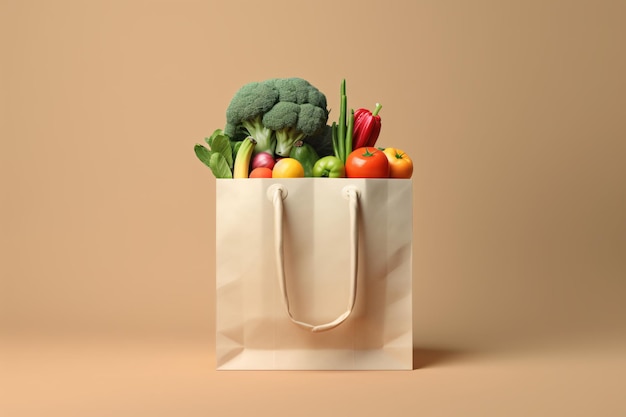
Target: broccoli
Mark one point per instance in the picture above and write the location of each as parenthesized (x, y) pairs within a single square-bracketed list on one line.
[(277, 112), (247, 108)]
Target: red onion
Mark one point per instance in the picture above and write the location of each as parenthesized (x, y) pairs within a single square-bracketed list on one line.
[(263, 159)]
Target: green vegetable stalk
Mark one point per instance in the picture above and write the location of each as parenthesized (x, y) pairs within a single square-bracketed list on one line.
[(342, 130)]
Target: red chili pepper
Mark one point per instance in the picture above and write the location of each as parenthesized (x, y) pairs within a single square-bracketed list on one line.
[(366, 127)]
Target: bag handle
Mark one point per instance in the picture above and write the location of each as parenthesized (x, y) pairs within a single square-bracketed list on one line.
[(277, 193)]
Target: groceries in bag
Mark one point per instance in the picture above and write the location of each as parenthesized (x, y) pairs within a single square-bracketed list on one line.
[(279, 118)]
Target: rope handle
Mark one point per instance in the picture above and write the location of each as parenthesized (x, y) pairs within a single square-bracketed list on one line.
[(276, 193)]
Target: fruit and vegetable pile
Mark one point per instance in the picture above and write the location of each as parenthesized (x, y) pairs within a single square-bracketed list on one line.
[(279, 128)]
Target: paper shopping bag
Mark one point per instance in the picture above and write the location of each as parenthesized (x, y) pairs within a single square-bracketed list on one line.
[(314, 273)]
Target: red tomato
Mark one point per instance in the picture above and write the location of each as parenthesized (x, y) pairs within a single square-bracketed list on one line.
[(367, 163), (260, 172)]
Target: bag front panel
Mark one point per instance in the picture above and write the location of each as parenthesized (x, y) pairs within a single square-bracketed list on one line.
[(253, 329)]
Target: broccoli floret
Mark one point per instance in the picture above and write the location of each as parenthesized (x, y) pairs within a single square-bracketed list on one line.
[(287, 88), (277, 112), (298, 90), (292, 122), (312, 118), (247, 108), (283, 119)]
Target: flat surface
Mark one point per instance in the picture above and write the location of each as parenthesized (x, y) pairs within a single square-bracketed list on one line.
[(157, 378)]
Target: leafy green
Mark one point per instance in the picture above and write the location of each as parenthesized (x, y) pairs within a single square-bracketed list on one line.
[(221, 145), (220, 155), (219, 166), (203, 154), (235, 146), (216, 133)]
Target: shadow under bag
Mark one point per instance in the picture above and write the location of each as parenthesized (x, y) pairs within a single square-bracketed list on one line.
[(314, 273)]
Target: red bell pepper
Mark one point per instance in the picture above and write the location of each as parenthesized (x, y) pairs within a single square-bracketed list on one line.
[(366, 127)]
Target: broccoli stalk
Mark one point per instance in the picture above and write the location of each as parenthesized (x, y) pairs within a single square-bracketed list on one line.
[(265, 141), (285, 139)]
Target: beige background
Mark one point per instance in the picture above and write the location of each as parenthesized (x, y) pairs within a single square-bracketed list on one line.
[(513, 113)]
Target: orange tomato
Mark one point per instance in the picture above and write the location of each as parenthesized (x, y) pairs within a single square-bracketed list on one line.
[(260, 172), (288, 168), (400, 164)]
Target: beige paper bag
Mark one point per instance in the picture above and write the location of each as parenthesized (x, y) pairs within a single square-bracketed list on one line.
[(314, 273)]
